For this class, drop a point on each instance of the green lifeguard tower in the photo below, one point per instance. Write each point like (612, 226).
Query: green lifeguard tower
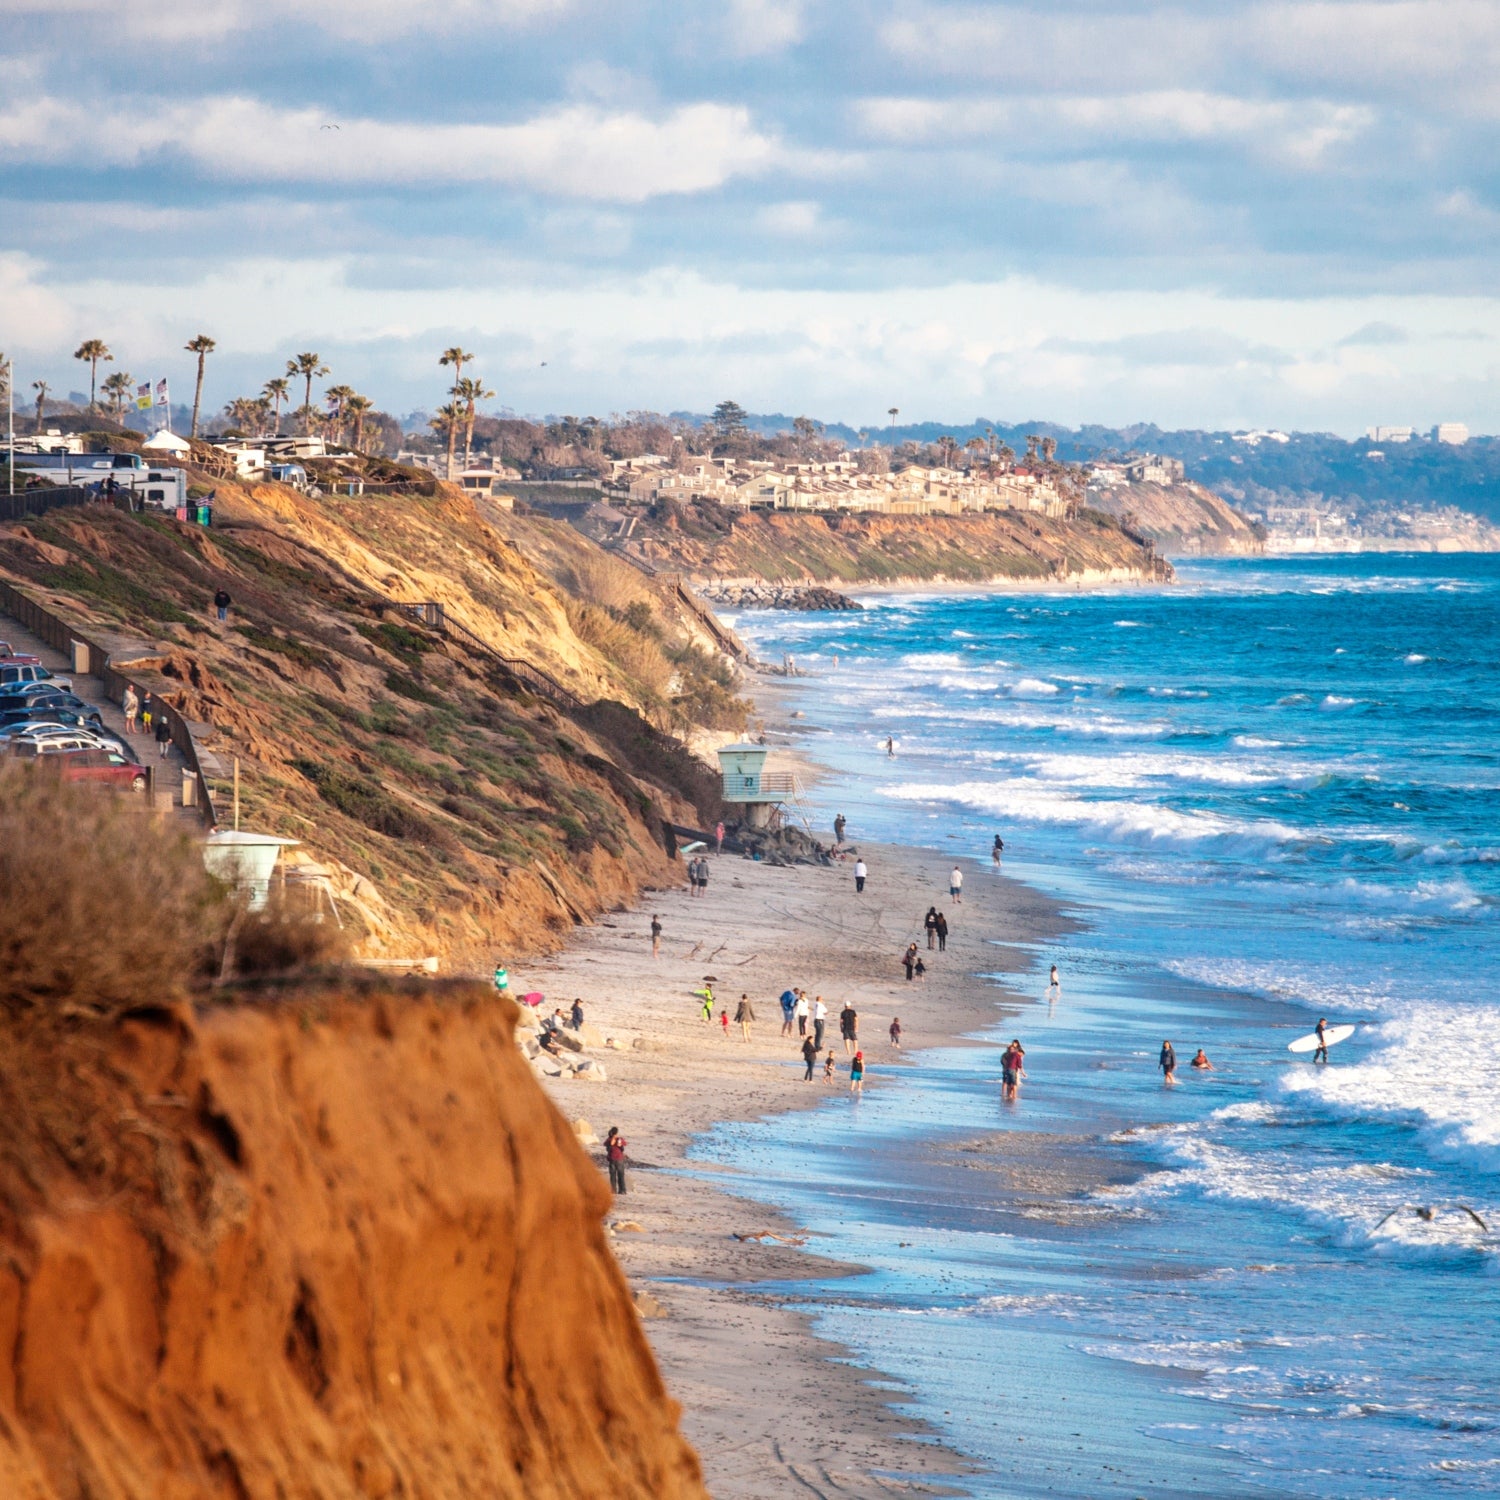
(748, 785)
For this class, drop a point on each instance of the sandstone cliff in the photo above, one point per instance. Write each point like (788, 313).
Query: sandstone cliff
(458, 813)
(316, 1247)
(1182, 519)
(706, 540)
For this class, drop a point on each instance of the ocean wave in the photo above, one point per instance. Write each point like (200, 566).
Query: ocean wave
(1131, 625)
(1145, 822)
(1029, 687)
(1413, 658)
(1332, 701)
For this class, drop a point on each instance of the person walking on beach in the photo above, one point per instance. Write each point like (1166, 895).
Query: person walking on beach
(575, 1016)
(744, 1013)
(222, 601)
(920, 970)
(1012, 1070)
(857, 1074)
(788, 1009)
(942, 932)
(809, 1056)
(718, 838)
(800, 1010)
(162, 729)
(703, 876)
(614, 1154)
(849, 1026)
(655, 935)
(909, 959)
(1167, 1062)
(1321, 1055)
(859, 876)
(929, 922)
(830, 1067)
(724, 1023)
(839, 825)
(708, 1005)
(131, 703)
(997, 850)
(956, 885)
(896, 1032)
(820, 1020)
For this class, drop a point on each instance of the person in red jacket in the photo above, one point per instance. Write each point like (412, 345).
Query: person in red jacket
(614, 1154)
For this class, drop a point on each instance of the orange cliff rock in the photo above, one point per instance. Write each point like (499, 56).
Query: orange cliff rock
(320, 1245)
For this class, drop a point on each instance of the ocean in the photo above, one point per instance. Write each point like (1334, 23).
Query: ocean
(1269, 792)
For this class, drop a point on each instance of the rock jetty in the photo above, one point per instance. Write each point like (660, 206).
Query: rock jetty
(812, 596)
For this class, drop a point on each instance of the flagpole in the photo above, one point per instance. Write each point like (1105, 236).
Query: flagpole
(10, 421)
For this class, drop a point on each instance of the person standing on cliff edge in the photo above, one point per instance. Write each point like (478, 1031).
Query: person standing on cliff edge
(614, 1153)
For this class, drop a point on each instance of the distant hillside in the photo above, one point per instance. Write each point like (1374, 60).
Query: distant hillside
(1182, 519)
(708, 541)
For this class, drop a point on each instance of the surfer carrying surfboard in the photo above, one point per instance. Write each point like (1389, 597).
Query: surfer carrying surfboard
(1321, 1055)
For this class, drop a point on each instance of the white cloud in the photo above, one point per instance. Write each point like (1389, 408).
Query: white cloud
(169, 23)
(762, 26)
(793, 220)
(672, 339)
(1301, 131)
(579, 151)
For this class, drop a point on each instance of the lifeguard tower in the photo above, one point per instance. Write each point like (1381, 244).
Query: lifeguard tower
(748, 785)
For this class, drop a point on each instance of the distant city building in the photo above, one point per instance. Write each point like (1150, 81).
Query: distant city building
(1451, 432)
(1390, 434)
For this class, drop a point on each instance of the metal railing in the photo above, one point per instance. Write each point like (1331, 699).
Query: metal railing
(38, 502)
(61, 636)
(767, 786)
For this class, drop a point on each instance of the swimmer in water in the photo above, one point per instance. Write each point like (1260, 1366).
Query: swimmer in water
(1201, 1061)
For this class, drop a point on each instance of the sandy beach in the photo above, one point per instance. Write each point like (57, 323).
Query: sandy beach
(770, 1407)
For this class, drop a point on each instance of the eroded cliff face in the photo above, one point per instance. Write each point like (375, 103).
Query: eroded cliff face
(855, 548)
(321, 1245)
(1182, 519)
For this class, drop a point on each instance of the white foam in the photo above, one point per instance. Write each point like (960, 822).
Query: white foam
(1130, 625)
(1413, 658)
(1030, 687)
(1335, 701)
(1138, 822)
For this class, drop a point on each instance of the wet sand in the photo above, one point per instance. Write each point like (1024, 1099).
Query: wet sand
(773, 1409)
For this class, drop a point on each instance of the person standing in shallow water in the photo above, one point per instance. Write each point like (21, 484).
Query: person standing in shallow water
(614, 1154)
(1167, 1062)
(1321, 1055)
(857, 1074)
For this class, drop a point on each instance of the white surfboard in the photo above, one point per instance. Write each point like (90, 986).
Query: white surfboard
(1310, 1043)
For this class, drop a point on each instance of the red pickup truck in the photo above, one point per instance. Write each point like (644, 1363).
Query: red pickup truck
(18, 658)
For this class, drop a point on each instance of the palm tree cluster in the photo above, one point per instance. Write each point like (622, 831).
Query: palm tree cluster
(343, 420)
(462, 409)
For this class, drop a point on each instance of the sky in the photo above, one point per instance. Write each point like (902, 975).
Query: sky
(1220, 214)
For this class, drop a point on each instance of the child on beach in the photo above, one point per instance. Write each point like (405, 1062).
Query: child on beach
(896, 1032)
(724, 1022)
(857, 1074)
(830, 1067)
(920, 969)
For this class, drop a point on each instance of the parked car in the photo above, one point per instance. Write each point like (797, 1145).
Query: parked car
(76, 761)
(14, 675)
(104, 766)
(11, 657)
(13, 720)
(42, 695)
(71, 735)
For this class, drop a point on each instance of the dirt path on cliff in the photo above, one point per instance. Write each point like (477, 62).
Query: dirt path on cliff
(772, 1409)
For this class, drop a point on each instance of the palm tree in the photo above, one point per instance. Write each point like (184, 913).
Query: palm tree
(41, 388)
(1031, 441)
(337, 396)
(92, 351)
(458, 357)
(202, 346)
(306, 367)
(470, 392)
(244, 412)
(1049, 447)
(447, 420)
(117, 387)
(356, 406)
(893, 412)
(276, 391)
